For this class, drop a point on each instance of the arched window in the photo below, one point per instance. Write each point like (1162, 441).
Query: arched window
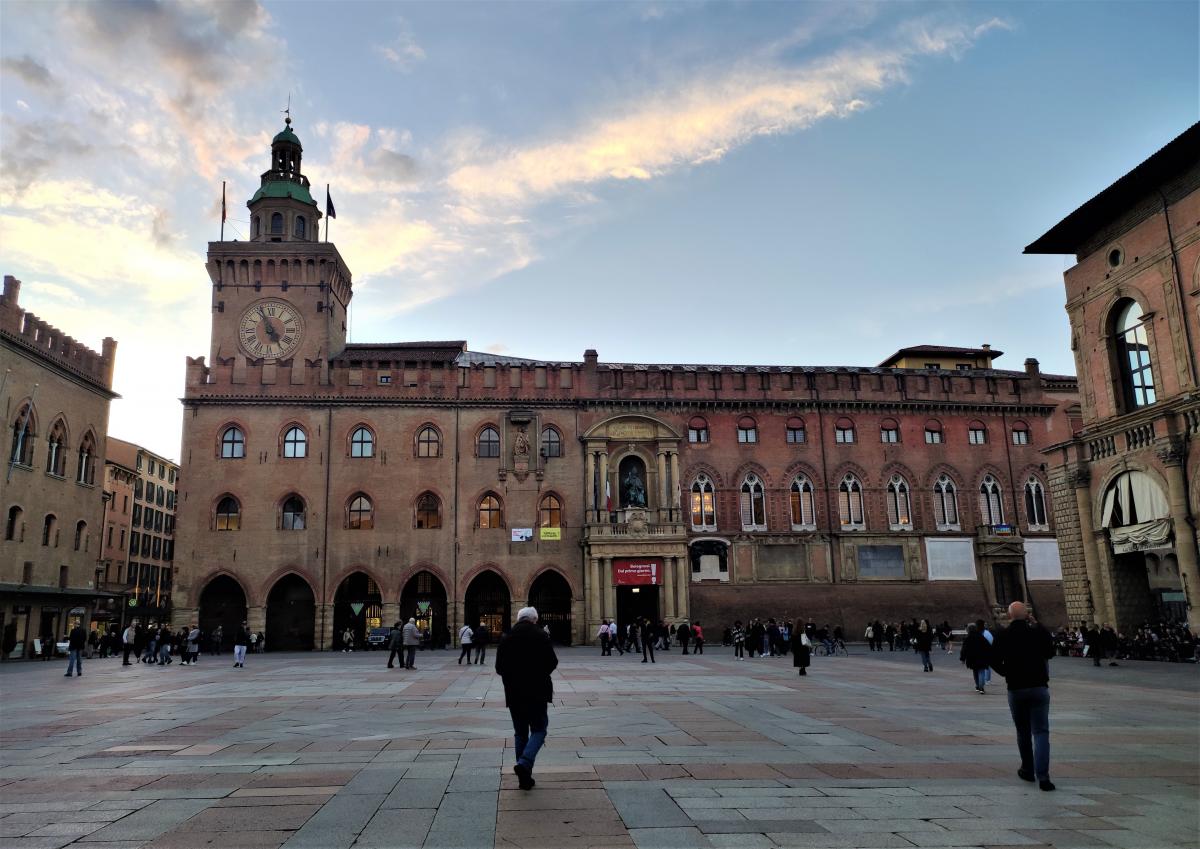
(489, 512)
(551, 442)
(229, 514)
(933, 432)
(1133, 357)
(747, 430)
(361, 514)
(293, 513)
(22, 439)
(796, 433)
(753, 504)
(362, 443)
(945, 504)
(889, 431)
(801, 497)
(295, 443)
(843, 431)
(233, 443)
(56, 450)
(80, 535)
(429, 442)
(87, 460)
(12, 528)
(991, 508)
(550, 512)
(704, 504)
(1020, 433)
(300, 230)
(48, 526)
(429, 511)
(850, 503)
(257, 226)
(487, 444)
(977, 433)
(698, 430)
(276, 224)
(1035, 505)
(899, 506)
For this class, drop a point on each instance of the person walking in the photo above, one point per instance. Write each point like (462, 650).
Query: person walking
(411, 635)
(193, 646)
(975, 655)
(240, 644)
(1021, 654)
(480, 640)
(604, 635)
(739, 641)
(684, 634)
(924, 645)
(464, 639)
(698, 638)
(525, 660)
(801, 650)
(647, 629)
(76, 646)
(164, 646)
(127, 642)
(395, 644)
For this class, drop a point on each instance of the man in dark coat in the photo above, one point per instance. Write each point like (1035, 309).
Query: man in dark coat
(76, 643)
(684, 634)
(524, 660)
(801, 649)
(975, 654)
(1021, 654)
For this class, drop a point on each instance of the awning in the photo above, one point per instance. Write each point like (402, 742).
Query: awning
(1145, 536)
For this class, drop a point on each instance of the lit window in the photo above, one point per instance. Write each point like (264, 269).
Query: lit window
(550, 512)
(551, 443)
(233, 444)
(429, 511)
(362, 443)
(489, 512)
(697, 430)
(361, 514)
(704, 510)
(945, 504)
(229, 514)
(803, 514)
(850, 503)
(1133, 355)
(429, 443)
(295, 443)
(898, 504)
(753, 504)
(293, 513)
(488, 443)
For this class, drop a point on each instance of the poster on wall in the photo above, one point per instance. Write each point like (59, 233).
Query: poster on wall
(550, 533)
(631, 572)
(522, 534)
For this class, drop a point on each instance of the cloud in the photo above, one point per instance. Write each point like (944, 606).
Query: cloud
(402, 52)
(35, 147)
(30, 71)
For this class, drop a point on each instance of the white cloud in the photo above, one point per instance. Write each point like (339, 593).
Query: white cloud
(403, 52)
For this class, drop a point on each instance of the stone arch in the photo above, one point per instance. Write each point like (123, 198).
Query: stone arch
(356, 607)
(336, 581)
(848, 468)
(937, 470)
(55, 419)
(689, 475)
(290, 606)
(551, 567)
(658, 428)
(1111, 476)
(222, 602)
(422, 566)
(751, 467)
(552, 594)
(488, 599)
(426, 604)
(1109, 311)
(466, 578)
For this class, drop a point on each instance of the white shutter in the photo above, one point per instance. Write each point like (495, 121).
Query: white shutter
(747, 509)
(939, 506)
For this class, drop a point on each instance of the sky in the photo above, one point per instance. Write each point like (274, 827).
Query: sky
(761, 183)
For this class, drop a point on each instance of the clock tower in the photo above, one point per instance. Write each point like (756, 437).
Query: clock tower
(281, 297)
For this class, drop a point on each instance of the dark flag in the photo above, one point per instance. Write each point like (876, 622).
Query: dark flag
(329, 210)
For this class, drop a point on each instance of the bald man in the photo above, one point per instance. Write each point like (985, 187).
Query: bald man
(1021, 654)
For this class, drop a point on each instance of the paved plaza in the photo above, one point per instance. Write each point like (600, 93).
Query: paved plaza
(336, 750)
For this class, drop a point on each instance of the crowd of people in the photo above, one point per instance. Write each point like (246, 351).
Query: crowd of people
(1162, 641)
(156, 644)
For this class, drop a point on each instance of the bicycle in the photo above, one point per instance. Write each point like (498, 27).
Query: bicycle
(832, 648)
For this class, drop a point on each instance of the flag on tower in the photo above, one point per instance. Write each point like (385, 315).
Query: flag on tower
(329, 210)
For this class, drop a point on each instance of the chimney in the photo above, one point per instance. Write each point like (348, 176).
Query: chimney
(108, 357)
(12, 289)
(590, 358)
(1032, 367)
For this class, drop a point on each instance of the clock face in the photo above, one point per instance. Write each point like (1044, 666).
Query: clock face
(270, 329)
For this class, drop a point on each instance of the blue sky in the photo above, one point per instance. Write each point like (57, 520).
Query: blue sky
(792, 183)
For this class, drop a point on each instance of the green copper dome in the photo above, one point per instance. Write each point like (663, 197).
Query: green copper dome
(287, 136)
(284, 189)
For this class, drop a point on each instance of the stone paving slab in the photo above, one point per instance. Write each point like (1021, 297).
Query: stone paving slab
(336, 752)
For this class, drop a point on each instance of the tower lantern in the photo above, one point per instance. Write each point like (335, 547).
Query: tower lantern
(283, 209)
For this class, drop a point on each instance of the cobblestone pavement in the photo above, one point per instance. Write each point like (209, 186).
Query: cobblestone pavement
(331, 751)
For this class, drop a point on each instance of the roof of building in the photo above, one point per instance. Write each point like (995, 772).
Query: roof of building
(943, 350)
(1173, 158)
(284, 189)
(286, 135)
(433, 352)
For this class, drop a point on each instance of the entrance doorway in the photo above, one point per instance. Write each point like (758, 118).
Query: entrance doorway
(1007, 580)
(424, 599)
(637, 603)
(357, 606)
(222, 603)
(488, 601)
(551, 595)
(291, 613)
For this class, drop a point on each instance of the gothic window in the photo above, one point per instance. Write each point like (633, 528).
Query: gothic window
(489, 512)
(843, 431)
(295, 443)
(850, 503)
(1020, 434)
(551, 442)
(991, 509)
(276, 224)
(229, 514)
(704, 505)
(22, 440)
(362, 442)
(933, 432)
(300, 229)
(56, 450)
(80, 535)
(977, 433)
(889, 431)
(753, 504)
(747, 430)
(488, 442)
(1035, 505)
(1133, 356)
(87, 460)
(429, 442)
(550, 512)
(233, 443)
(796, 433)
(257, 226)
(12, 528)
(361, 513)
(899, 506)
(801, 497)
(945, 504)
(48, 525)
(293, 513)
(698, 430)
(429, 511)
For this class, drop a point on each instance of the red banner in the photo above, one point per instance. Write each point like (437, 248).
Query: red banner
(630, 572)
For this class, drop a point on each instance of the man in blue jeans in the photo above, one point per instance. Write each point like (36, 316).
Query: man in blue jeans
(1021, 653)
(76, 643)
(524, 660)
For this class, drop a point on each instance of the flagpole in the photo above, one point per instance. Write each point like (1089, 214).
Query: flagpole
(222, 210)
(327, 212)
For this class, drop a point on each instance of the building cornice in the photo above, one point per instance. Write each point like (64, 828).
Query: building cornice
(74, 375)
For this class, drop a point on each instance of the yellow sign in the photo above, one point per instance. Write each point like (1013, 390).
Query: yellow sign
(551, 533)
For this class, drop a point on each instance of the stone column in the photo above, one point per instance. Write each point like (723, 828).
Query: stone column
(590, 488)
(668, 590)
(256, 620)
(610, 591)
(673, 483)
(181, 617)
(595, 606)
(603, 484)
(663, 516)
(391, 613)
(324, 630)
(682, 579)
(1081, 480)
(1171, 455)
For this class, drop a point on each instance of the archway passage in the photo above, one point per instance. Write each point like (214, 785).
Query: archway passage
(223, 604)
(291, 614)
(551, 595)
(488, 601)
(357, 606)
(424, 599)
